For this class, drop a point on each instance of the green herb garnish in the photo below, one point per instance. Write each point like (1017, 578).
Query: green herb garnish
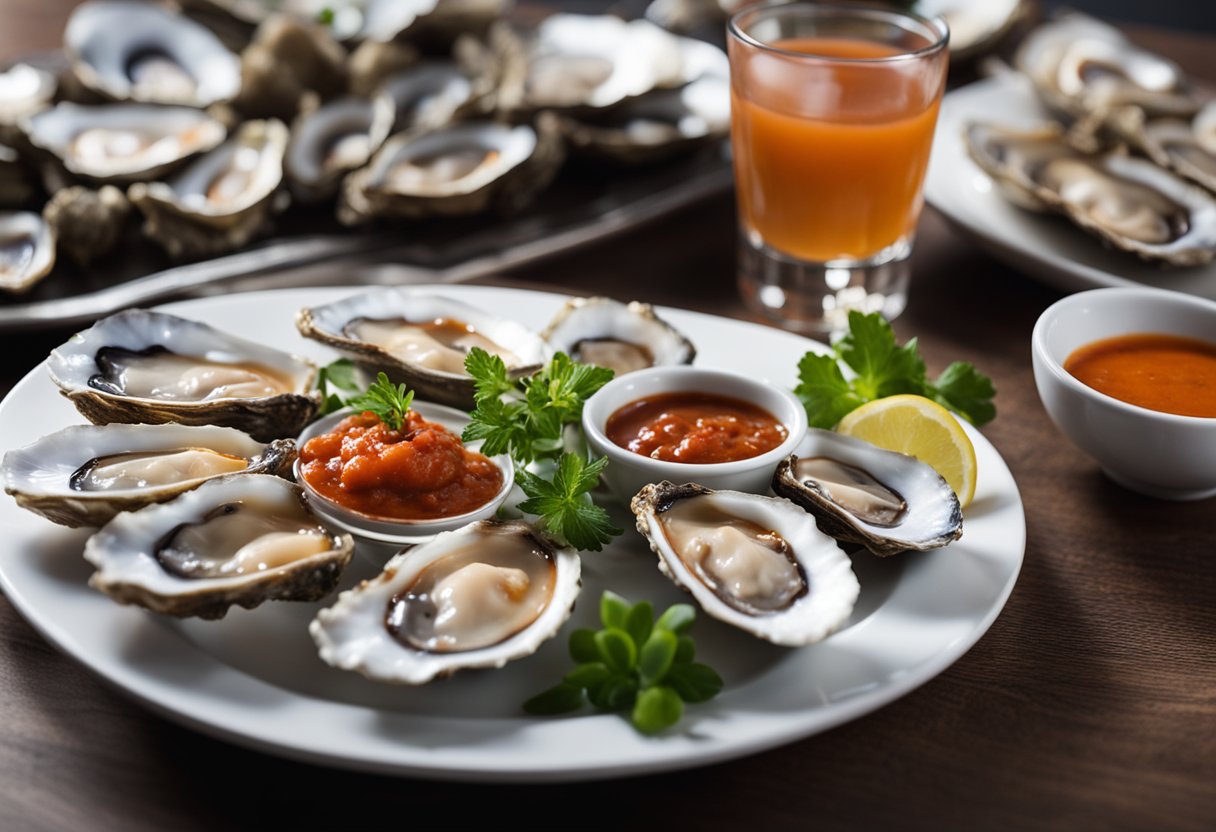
(338, 375)
(388, 403)
(527, 418)
(884, 369)
(326, 16)
(634, 663)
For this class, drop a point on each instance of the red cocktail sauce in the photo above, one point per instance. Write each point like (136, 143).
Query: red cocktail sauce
(694, 427)
(1168, 373)
(421, 472)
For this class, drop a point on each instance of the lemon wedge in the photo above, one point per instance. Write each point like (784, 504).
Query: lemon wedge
(921, 428)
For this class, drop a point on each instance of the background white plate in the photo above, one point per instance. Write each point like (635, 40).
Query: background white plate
(254, 677)
(1045, 246)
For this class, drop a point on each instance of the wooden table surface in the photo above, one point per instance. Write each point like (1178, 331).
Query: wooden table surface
(1091, 703)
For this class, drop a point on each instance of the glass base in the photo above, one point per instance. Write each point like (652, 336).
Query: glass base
(814, 297)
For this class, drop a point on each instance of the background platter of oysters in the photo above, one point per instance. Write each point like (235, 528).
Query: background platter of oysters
(196, 127)
(1131, 154)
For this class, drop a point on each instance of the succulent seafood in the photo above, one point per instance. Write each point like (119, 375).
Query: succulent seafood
(622, 337)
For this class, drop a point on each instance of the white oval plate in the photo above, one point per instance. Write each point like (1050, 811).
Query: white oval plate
(254, 677)
(1048, 247)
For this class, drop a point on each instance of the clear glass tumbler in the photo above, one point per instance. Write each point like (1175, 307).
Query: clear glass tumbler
(832, 117)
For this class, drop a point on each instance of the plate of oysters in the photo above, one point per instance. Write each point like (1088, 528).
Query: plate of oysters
(1091, 163)
(237, 136)
(184, 523)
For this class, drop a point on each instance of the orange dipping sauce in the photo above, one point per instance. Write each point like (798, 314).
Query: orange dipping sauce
(1168, 373)
(694, 427)
(421, 472)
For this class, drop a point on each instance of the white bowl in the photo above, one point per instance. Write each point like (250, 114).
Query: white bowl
(1154, 453)
(402, 532)
(627, 472)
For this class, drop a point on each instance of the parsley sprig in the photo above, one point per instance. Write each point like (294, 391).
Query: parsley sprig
(389, 402)
(634, 664)
(527, 418)
(332, 380)
(885, 369)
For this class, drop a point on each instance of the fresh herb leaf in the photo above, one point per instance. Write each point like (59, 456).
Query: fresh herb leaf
(633, 664)
(339, 375)
(883, 368)
(326, 16)
(389, 403)
(489, 374)
(564, 504)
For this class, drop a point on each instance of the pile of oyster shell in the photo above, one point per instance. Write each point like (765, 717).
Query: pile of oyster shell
(212, 121)
(186, 469)
(1132, 158)
(187, 466)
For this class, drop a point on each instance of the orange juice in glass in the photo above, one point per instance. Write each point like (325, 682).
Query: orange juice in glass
(832, 117)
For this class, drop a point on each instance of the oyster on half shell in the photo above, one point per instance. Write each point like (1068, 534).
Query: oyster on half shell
(27, 250)
(151, 367)
(421, 340)
(756, 563)
(622, 337)
(240, 539)
(85, 474)
(480, 596)
(1131, 203)
(859, 493)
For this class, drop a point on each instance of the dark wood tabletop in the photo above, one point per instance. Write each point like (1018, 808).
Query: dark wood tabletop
(1091, 703)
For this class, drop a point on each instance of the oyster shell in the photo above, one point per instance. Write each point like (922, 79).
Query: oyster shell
(288, 60)
(240, 539)
(420, 340)
(86, 474)
(88, 224)
(1185, 147)
(480, 596)
(756, 563)
(1131, 203)
(622, 337)
(24, 90)
(328, 143)
(886, 501)
(455, 171)
(27, 250)
(1084, 67)
(221, 200)
(132, 51)
(122, 142)
(145, 366)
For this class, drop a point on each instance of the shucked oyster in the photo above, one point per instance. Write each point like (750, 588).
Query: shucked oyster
(622, 337)
(757, 563)
(86, 474)
(480, 596)
(328, 143)
(1187, 147)
(886, 501)
(420, 340)
(1131, 203)
(133, 51)
(122, 142)
(241, 539)
(455, 171)
(27, 250)
(220, 201)
(144, 366)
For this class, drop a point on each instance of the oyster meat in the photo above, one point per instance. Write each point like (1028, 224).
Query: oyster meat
(756, 563)
(329, 142)
(27, 250)
(122, 142)
(479, 596)
(221, 200)
(86, 474)
(1131, 203)
(151, 367)
(134, 51)
(622, 337)
(859, 493)
(240, 539)
(421, 340)
(1186, 147)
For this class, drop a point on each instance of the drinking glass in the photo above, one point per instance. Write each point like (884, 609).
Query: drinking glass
(832, 117)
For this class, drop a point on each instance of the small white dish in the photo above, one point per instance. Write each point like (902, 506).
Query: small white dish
(1159, 454)
(627, 471)
(401, 532)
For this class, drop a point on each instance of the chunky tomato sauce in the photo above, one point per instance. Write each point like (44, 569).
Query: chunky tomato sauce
(420, 472)
(695, 427)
